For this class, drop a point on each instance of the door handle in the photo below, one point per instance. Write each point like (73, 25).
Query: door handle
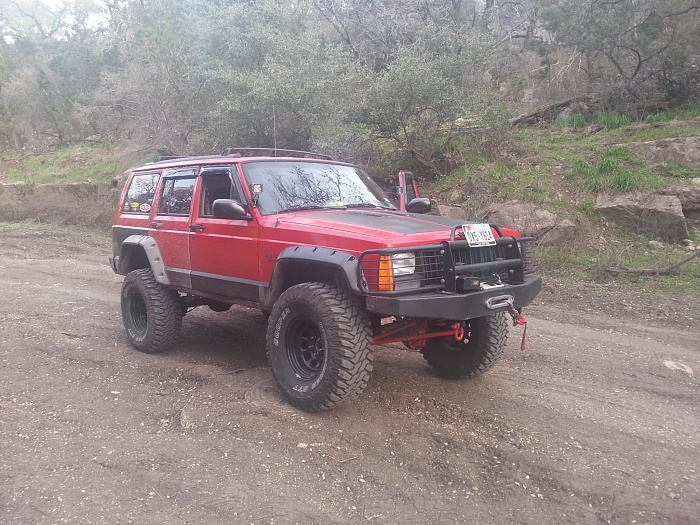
(155, 224)
(196, 227)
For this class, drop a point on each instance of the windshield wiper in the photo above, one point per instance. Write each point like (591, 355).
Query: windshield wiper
(369, 205)
(303, 207)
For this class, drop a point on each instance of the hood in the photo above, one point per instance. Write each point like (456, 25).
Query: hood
(388, 228)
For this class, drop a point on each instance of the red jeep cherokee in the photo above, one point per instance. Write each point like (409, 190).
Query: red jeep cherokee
(327, 254)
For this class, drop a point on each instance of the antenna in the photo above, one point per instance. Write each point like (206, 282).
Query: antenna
(274, 129)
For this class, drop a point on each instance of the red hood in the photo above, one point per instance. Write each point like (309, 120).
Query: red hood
(359, 230)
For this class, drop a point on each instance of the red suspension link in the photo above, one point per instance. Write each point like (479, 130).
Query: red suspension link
(416, 333)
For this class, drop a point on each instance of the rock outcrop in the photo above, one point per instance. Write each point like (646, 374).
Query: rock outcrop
(678, 150)
(653, 215)
(690, 200)
(529, 219)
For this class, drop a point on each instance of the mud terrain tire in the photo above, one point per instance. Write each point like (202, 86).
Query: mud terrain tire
(151, 312)
(484, 342)
(319, 346)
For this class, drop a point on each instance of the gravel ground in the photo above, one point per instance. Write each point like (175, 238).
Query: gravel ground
(596, 422)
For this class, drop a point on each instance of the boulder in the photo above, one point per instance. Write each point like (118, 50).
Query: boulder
(562, 231)
(531, 220)
(453, 212)
(653, 215)
(679, 150)
(689, 195)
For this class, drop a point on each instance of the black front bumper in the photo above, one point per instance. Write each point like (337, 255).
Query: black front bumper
(455, 306)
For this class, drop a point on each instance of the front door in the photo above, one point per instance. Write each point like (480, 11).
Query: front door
(224, 252)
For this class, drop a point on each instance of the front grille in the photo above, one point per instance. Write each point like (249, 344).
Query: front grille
(481, 254)
(432, 267)
(451, 266)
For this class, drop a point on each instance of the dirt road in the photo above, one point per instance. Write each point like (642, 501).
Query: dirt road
(598, 421)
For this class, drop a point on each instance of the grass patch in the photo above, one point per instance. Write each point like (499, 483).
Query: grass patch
(677, 171)
(619, 170)
(646, 134)
(585, 264)
(74, 164)
(682, 113)
(607, 120)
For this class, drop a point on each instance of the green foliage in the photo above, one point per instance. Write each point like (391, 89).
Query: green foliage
(388, 84)
(610, 120)
(74, 164)
(680, 113)
(618, 170)
(677, 171)
(648, 46)
(577, 121)
(587, 205)
(607, 120)
(427, 105)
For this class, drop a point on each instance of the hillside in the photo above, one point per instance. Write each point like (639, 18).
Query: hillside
(558, 168)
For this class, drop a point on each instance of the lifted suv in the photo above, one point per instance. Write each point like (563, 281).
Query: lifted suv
(318, 246)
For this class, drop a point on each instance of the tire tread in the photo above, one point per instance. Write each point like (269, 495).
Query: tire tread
(486, 346)
(163, 310)
(350, 364)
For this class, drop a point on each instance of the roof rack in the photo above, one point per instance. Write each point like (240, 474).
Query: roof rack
(274, 152)
(163, 158)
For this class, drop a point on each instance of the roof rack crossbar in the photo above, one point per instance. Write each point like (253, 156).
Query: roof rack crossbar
(161, 158)
(275, 151)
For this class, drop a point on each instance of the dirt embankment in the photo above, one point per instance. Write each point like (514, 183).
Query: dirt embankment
(596, 422)
(77, 203)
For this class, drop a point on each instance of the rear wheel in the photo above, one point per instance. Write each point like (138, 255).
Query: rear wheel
(151, 312)
(319, 346)
(484, 342)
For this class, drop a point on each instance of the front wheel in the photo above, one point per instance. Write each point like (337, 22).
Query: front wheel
(151, 312)
(319, 346)
(484, 342)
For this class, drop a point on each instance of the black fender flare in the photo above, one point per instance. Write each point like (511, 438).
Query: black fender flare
(150, 248)
(345, 262)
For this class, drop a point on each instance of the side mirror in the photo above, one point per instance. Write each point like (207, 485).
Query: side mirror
(229, 209)
(419, 205)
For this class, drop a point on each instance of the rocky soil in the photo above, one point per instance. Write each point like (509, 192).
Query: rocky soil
(596, 422)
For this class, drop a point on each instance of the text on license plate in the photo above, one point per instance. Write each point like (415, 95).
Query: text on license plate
(478, 235)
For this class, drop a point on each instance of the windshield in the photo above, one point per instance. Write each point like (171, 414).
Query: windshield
(299, 185)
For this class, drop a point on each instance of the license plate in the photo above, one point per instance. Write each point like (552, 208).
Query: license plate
(478, 235)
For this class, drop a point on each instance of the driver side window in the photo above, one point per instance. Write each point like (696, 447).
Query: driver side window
(216, 184)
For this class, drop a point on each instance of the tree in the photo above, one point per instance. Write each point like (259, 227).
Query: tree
(51, 68)
(627, 44)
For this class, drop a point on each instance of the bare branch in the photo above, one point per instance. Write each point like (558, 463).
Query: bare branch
(656, 271)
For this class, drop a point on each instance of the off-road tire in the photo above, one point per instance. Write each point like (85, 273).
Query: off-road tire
(319, 346)
(484, 342)
(152, 313)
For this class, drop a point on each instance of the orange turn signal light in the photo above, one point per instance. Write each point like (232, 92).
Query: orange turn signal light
(386, 274)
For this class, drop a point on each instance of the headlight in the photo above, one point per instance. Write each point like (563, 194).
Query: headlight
(403, 263)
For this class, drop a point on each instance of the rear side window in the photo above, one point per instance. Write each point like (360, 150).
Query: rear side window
(139, 198)
(177, 196)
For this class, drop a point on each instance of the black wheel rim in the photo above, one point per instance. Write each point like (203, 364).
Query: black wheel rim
(306, 349)
(137, 312)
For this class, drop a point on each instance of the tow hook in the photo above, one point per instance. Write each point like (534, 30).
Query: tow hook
(518, 320)
(459, 331)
